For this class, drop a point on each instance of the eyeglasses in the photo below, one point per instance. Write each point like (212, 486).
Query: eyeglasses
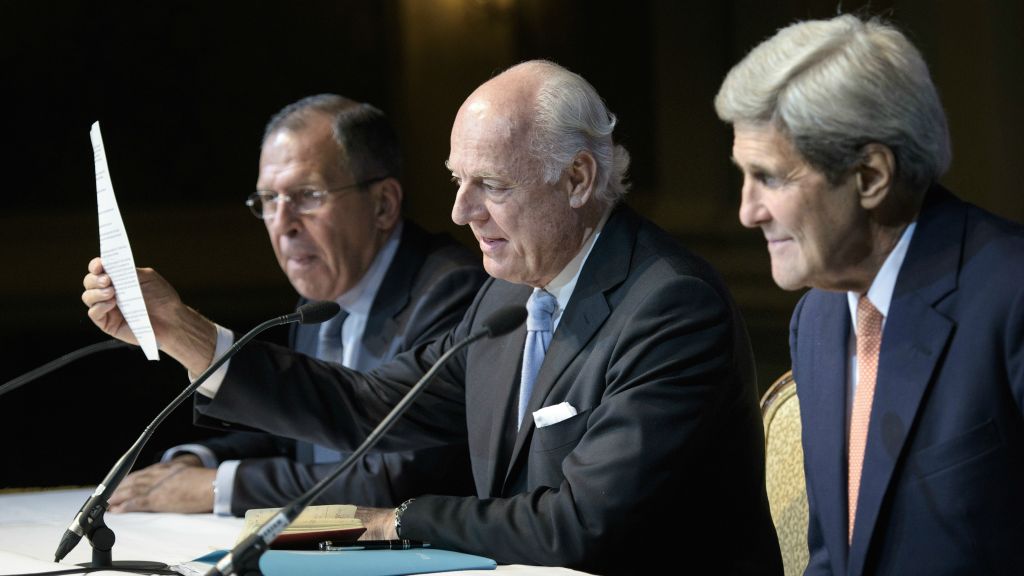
(263, 203)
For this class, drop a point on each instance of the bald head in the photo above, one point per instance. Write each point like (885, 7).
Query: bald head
(531, 150)
(498, 118)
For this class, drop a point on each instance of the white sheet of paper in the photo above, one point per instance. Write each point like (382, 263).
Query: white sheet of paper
(116, 253)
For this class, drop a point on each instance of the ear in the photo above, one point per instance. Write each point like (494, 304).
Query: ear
(387, 203)
(875, 175)
(582, 179)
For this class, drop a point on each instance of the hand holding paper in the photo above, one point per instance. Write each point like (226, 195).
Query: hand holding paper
(116, 253)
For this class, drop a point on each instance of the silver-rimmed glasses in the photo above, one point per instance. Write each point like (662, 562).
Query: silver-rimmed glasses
(263, 203)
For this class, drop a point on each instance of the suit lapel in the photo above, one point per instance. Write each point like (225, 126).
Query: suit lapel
(606, 267)
(913, 342)
(392, 297)
(823, 409)
(493, 404)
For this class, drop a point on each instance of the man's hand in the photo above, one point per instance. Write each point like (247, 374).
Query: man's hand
(181, 485)
(379, 523)
(181, 332)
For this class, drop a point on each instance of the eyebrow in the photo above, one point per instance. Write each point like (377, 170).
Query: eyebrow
(754, 167)
(478, 176)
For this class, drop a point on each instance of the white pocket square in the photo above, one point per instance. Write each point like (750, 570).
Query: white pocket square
(553, 414)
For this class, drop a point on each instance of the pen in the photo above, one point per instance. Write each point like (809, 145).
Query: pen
(328, 546)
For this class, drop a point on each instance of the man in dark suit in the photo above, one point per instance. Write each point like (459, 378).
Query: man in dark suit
(330, 196)
(640, 414)
(626, 404)
(908, 352)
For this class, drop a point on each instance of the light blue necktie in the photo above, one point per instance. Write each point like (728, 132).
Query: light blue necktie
(329, 349)
(539, 309)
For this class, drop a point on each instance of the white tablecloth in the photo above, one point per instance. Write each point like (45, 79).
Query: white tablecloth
(32, 523)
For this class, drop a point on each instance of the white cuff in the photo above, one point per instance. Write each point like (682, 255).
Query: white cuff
(225, 338)
(223, 486)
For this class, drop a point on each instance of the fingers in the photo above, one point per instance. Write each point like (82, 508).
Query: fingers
(140, 503)
(98, 295)
(97, 284)
(97, 277)
(133, 495)
(105, 315)
(135, 485)
(186, 489)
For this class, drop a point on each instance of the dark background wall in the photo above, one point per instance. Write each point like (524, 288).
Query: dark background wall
(182, 90)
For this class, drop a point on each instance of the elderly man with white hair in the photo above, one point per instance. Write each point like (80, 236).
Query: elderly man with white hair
(908, 352)
(618, 431)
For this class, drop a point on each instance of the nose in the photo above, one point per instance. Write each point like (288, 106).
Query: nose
(285, 220)
(753, 212)
(467, 206)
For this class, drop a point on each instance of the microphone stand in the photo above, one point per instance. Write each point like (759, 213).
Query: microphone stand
(244, 558)
(89, 521)
(59, 362)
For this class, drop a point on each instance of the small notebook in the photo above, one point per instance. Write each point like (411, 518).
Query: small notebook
(334, 522)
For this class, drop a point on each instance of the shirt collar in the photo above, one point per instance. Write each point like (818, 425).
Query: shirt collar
(359, 298)
(884, 284)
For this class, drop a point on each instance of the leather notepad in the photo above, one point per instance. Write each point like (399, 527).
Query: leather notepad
(334, 522)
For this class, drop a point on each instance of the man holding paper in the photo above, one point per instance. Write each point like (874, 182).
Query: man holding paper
(330, 196)
(628, 396)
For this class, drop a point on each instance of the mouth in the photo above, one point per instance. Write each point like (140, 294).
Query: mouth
(774, 243)
(300, 260)
(490, 244)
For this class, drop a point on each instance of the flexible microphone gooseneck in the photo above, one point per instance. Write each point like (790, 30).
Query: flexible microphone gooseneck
(60, 362)
(89, 520)
(245, 557)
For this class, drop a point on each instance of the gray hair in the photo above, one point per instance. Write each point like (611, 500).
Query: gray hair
(834, 86)
(571, 117)
(367, 139)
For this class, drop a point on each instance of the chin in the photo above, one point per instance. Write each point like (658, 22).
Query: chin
(788, 282)
(495, 270)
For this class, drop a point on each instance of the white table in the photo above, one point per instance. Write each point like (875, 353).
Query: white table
(32, 523)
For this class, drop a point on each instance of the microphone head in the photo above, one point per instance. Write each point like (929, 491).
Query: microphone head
(504, 320)
(317, 312)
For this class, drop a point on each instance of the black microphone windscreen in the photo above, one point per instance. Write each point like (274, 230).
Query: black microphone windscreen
(505, 320)
(317, 312)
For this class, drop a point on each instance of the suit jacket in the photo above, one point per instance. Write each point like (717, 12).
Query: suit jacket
(941, 489)
(654, 356)
(429, 284)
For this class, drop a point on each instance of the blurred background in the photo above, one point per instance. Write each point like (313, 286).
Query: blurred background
(182, 90)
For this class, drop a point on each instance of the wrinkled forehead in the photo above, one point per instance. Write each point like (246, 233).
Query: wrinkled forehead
(299, 157)
(485, 134)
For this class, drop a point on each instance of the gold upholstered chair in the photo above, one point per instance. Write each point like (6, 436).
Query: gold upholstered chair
(784, 471)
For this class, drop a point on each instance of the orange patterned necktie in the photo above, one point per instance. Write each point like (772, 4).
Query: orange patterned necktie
(869, 342)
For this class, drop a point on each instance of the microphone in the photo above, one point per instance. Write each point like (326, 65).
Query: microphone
(245, 557)
(314, 312)
(89, 520)
(61, 362)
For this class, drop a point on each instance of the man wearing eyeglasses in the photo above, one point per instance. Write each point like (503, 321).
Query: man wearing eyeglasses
(329, 194)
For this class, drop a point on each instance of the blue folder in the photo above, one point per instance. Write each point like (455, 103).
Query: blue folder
(362, 562)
